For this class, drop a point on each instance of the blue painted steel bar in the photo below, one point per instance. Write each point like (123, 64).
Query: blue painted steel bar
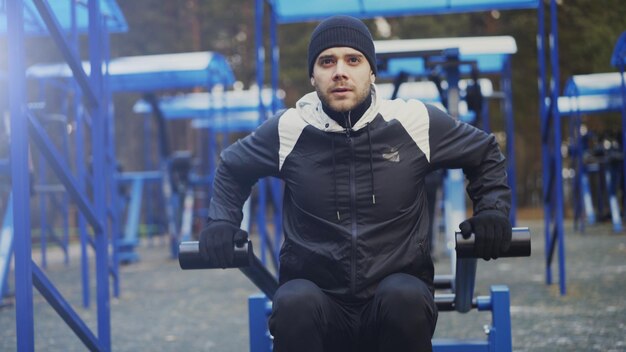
(260, 340)
(587, 200)
(500, 334)
(275, 61)
(290, 11)
(66, 49)
(64, 309)
(6, 246)
(618, 60)
(79, 143)
(510, 136)
(558, 190)
(451, 345)
(454, 187)
(622, 63)
(275, 185)
(611, 186)
(98, 129)
(260, 80)
(131, 232)
(43, 218)
(81, 175)
(114, 205)
(61, 169)
(21, 178)
(544, 121)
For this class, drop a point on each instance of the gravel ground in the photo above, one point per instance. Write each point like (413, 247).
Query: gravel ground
(162, 308)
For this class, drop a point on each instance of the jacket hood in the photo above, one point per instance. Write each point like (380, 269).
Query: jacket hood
(309, 108)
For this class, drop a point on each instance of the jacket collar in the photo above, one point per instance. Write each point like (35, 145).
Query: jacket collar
(310, 109)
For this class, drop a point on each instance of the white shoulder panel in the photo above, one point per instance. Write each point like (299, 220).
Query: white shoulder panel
(290, 127)
(413, 116)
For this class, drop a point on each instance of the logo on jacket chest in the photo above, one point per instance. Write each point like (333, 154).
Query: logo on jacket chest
(391, 154)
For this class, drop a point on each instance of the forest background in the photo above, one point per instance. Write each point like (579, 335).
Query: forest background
(588, 30)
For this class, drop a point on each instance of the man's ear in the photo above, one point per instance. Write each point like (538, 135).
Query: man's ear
(313, 81)
(372, 77)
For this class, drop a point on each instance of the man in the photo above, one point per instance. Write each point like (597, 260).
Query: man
(355, 267)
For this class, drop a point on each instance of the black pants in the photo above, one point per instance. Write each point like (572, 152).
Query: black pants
(401, 317)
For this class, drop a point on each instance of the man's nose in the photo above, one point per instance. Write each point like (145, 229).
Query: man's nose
(340, 71)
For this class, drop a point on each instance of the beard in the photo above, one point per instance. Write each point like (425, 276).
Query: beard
(343, 105)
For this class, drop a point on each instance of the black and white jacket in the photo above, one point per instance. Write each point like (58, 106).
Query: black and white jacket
(354, 207)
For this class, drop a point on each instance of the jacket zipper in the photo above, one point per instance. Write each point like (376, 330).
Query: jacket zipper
(352, 207)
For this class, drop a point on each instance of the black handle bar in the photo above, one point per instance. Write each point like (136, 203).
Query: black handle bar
(189, 258)
(520, 244)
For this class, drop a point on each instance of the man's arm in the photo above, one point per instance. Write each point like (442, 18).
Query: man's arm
(241, 165)
(454, 145)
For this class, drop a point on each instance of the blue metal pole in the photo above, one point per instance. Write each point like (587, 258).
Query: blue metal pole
(79, 138)
(454, 188)
(275, 59)
(260, 49)
(545, 135)
(260, 340)
(20, 176)
(558, 167)
(98, 133)
(43, 219)
(81, 175)
(275, 184)
(623, 90)
(510, 137)
(260, 78)
(115, 206)
(500, 307)
(65, 241)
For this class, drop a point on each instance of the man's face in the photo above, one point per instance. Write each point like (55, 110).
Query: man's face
(342, 77)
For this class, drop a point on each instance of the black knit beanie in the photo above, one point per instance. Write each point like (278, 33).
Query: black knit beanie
(339, 31)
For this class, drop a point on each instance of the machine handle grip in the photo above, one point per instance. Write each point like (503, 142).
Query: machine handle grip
(189, 256)
(520, 244)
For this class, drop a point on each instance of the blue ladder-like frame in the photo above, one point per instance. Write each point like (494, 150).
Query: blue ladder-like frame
(23, 124)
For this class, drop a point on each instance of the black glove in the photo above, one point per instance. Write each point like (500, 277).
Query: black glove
(492, 231)
(217, 242)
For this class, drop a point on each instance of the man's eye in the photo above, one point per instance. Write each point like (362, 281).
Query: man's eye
(354, 60)
(326, 61)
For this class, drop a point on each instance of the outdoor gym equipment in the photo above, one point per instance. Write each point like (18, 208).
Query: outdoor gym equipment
(453, 293)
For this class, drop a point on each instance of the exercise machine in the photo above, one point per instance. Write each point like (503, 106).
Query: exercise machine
(453, 293)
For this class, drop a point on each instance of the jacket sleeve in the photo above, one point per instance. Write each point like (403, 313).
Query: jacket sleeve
(241, 165)
(455, 144)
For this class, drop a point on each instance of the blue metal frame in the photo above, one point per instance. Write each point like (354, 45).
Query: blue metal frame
(21, 122)
(499, 337)
(20, 177)
(594, 93)
(35, 25)
(290, 11)
(551, 146)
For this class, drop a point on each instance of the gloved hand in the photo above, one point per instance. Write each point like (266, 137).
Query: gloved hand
(217, 241)
(492, 231)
